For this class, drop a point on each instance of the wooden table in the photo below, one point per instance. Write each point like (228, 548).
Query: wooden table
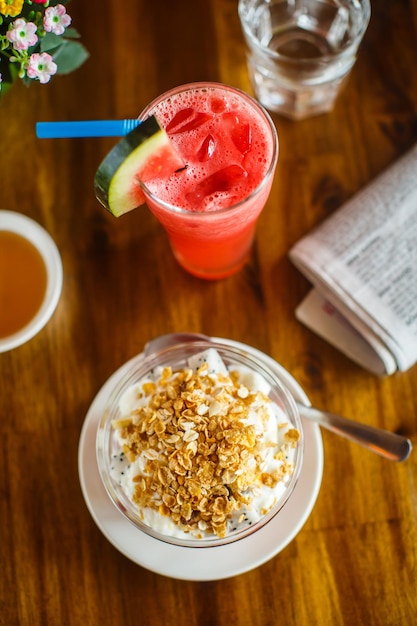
(355, 560)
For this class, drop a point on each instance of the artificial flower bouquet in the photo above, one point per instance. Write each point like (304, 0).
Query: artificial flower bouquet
(36, 41)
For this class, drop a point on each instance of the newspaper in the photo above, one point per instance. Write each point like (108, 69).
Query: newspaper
(362, 263)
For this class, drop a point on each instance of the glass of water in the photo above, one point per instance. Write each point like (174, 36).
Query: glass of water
(301, 51)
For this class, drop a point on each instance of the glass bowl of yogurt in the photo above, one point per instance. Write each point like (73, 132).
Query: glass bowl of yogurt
(200, 443)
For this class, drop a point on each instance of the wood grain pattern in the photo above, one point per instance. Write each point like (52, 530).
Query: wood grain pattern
(355, 560)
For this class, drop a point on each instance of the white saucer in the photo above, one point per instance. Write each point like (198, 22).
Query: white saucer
(38, 237)
(199, 564)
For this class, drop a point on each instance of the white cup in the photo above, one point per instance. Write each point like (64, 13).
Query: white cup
(42, 241)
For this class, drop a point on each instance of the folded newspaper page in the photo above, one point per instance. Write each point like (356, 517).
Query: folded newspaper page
(362, 262)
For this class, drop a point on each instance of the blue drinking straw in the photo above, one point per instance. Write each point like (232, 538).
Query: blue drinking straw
(94, 128)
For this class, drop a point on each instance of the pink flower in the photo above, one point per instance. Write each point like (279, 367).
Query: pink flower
(56, 19)
(22, 34)
(41, 66)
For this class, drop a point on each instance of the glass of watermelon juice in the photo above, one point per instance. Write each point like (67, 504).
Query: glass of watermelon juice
(209, 208)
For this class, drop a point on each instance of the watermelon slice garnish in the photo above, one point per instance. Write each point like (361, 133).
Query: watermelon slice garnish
(144, 154)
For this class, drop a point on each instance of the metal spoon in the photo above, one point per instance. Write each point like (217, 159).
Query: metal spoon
(387, 444)
(383, 442)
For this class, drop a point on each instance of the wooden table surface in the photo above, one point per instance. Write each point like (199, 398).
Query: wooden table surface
(355, 560)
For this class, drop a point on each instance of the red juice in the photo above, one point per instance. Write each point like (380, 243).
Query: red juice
(229, 146)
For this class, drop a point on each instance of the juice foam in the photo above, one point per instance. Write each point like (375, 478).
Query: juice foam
(226, 146)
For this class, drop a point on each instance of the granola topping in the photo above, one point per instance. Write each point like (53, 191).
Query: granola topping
(203, 450)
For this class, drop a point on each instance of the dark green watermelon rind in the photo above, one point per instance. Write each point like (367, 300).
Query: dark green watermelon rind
(148, 130)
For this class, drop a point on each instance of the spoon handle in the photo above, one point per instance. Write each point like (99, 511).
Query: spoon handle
(387, 444)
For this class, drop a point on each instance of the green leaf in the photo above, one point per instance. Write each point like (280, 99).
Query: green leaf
(50, 42)
(71, 33)
(4, 87)
(69, 56)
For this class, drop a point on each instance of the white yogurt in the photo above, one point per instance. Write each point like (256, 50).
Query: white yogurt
(273, 454)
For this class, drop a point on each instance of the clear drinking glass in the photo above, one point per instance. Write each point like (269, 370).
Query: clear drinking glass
(301, 51)
(230, 147)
